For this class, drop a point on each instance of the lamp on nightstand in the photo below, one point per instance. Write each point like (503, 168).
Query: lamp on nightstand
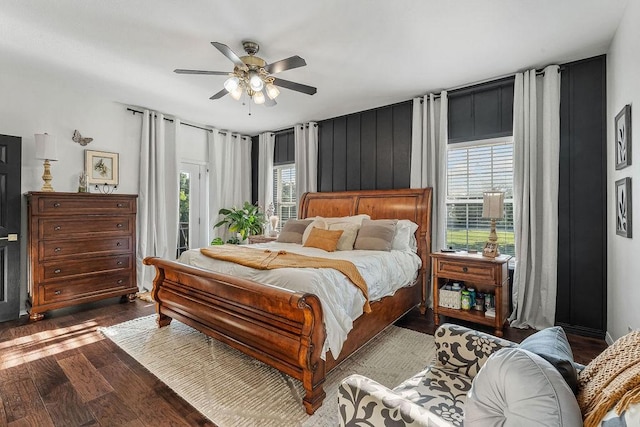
(46, 150)
(492, 208)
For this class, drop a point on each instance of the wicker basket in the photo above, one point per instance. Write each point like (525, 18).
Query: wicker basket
(449, 299)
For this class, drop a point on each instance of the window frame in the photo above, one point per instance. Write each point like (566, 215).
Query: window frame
(278, 204)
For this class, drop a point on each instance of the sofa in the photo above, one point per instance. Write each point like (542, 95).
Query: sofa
(528, 384)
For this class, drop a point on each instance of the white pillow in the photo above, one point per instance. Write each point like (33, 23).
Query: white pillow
(405, 237)
(323, 223)
(349, 235)
(317, 223)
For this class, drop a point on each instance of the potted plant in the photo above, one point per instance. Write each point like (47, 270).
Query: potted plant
(244, 221)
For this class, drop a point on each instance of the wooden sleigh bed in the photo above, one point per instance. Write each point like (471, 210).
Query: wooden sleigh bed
(283, 328)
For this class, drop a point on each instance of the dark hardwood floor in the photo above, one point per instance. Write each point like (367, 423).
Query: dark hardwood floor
(61, 371)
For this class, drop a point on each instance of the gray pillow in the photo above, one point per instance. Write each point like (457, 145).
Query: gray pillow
(553, 346)
(519, 388)
(293, 230)
(376, 235)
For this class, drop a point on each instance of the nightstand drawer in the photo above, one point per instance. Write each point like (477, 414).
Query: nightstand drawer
(51, 228)
(53, 249)
(71, 289)
(55, 270)
(465, 270)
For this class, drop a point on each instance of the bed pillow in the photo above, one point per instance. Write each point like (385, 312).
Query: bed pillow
(348, 238)
(323, 223)
(293, 230)
(376, 235)
(552, 345)
(323, 239)
(315, 223)
(516, 387)
(405, 237)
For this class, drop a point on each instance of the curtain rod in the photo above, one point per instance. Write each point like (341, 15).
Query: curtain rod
(183, 123)
(289, 130)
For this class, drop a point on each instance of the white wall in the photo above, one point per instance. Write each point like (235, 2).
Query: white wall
(623, 87)
(32, 102)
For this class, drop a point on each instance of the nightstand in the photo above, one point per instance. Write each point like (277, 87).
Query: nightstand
(259, 238)
(473, 270)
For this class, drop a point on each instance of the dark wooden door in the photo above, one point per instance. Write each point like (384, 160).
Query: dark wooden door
(10, 207)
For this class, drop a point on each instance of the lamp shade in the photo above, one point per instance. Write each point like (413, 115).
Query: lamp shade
(46, 147)
(493, 204)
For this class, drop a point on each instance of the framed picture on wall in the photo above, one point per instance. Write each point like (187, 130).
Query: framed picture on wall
(623, 207)
(622, 128)
(101, 167)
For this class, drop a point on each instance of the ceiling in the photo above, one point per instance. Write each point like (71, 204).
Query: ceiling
(360, 54)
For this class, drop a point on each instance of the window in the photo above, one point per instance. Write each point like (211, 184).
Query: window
(285, 201)
(473, 168)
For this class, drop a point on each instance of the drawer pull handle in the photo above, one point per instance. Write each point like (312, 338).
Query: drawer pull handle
(57, 249)
(118, 244)
(56, 205)
(57, 270)
(119, 263)
(57, 292)
(120, 205)
(57, 228)
(465, 269)
(119, 225)
(120, 282)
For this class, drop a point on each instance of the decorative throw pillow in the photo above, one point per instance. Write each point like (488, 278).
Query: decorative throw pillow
(376, 235)
(519, 388)
(323, 239)
(348, 238)
(318, 222)
(293, 230)
(323, 223)
(552, 345)
(405, 237)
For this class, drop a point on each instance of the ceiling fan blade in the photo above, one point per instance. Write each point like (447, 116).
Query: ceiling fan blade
(299, 87)
(211, 73)
(220, 94)
(285, 64)
(268, 102)
(226, 51)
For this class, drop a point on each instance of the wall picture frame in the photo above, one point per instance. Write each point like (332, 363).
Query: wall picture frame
(622, 127)
(623, 207)
(101, 167)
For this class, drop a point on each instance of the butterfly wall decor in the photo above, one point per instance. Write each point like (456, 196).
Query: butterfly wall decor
(79, 139)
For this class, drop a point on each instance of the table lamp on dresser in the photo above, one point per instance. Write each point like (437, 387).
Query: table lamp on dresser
(46, 150)
(493, 209)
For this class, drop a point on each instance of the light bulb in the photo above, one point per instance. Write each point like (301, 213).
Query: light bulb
(236, 93)
(258, 98)
(256, 82)
(272, 91)
(231, 84)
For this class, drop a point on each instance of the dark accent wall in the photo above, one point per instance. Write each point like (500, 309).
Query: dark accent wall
(366, 150)
(582, 245)
(481, 112)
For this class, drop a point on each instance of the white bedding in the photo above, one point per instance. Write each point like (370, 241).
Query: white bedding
(342, 302)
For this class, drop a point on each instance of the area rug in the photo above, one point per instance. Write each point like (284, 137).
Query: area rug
(232, 389)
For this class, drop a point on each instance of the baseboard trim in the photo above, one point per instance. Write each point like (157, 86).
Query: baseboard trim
(582, 331)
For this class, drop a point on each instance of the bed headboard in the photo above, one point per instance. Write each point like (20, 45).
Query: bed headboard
(409, 203)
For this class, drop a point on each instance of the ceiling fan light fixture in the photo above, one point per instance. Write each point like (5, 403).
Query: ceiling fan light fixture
(272, 91)
(236, 93)
(255, 81)
(258, 98)
(231, 84)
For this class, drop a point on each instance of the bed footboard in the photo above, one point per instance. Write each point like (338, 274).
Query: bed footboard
(281, 328)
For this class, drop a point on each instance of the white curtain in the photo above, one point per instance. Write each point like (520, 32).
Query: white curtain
(229, 175)
(266, 144)
(306, 155)
(158, 199)
(429, 137)
(536, 135)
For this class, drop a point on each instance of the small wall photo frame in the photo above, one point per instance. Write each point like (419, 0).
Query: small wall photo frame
(101, 167)
(623, 207)
(622, 126)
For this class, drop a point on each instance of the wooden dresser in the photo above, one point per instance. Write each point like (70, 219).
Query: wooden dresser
(81, 248)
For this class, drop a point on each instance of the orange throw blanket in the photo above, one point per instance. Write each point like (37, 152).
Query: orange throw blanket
(265, 259)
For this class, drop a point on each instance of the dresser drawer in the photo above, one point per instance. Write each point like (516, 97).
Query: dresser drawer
(84, 204)
(54, 249)
(466, 270)
(54, 270)
(52, 228)
(72, 289)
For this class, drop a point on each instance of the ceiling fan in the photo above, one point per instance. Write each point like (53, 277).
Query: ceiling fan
(253, 76)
